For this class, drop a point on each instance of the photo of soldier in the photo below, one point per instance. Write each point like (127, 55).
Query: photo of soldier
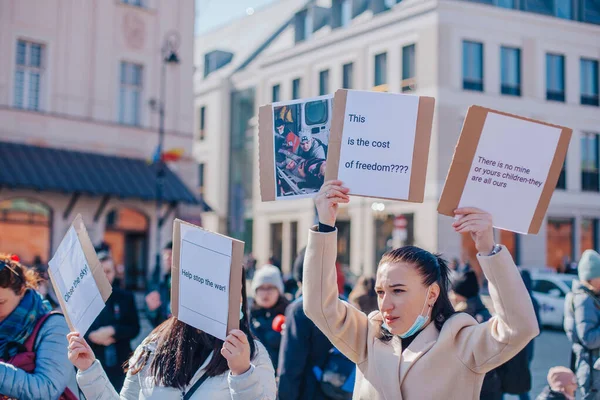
(301, 136)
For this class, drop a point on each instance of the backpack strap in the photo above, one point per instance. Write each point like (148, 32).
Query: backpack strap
(30, 342)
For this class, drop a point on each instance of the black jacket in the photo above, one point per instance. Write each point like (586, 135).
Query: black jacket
(549, 394)
(120, 313)
(261, 324)
(303, 346)
(491, 388)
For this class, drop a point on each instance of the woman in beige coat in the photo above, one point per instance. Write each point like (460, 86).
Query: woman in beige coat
(415, 347)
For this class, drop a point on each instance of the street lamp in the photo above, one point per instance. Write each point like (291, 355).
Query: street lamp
(168, 56)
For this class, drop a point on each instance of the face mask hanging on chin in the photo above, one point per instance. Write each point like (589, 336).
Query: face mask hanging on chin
(420, 321)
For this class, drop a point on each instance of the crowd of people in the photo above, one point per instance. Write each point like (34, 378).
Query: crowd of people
(417, 330)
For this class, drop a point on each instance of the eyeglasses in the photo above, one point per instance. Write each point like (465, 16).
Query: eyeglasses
(4, 264)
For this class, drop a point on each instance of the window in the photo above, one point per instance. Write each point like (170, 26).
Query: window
(559, 242)
(296, 88)
(563, 9)
(130, 93)
(589, 82)
(544, 286)
(510, 66)
(347, 78)
(505, 3)
(323, 82)
(562, 178)
(472, 66)
(346, 12)
(28, 75)
(408, 83)
(303, 23)
(380, 69)
(293, 241)
(589, 162)
(276, 95)
(202, 123)
(276, 242)
(201, 177)
(555, 77)
(589, 234)
(139, 3)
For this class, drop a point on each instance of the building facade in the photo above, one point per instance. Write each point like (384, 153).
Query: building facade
(536, 59)
(80, 95)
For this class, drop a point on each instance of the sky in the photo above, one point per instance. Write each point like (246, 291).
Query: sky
(213, 13)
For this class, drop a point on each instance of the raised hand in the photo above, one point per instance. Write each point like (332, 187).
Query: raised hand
(479, 224)
(236, 351)
(80, 354)
(327, 200)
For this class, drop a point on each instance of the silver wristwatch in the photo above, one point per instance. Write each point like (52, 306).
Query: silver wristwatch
(495, 250)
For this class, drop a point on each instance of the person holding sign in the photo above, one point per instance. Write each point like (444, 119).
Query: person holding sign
(179, 361)
(33, 360)
(416, 346)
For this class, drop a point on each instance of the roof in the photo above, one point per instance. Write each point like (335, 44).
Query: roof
(50, 169)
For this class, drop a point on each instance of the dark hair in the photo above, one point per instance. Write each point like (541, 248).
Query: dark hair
(279, 122)
(16, 276)
(181, 349)
(433, 269)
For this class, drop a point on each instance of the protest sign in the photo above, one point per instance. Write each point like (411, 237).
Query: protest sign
(78, 278)
(206, 278)
(506, 165)
(293, 138)
(379, 143)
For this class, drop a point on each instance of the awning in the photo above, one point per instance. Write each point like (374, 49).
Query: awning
(25, 166)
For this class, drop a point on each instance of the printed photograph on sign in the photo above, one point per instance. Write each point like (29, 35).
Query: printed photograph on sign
(301, 139)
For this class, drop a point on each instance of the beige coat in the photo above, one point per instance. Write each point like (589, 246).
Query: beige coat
(447, 364)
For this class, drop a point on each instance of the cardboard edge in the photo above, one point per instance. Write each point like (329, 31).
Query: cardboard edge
(551, 180)
(335, 134)
(89, 252)
(266, 156)
(61, 302)
(176, 256)
(464, 152)
(420, 159)
(235, 284)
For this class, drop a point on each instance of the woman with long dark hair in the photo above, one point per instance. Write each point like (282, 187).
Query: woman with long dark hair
(415, 346)
(178, 361)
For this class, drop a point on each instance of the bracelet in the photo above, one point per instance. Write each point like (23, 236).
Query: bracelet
(495, 250)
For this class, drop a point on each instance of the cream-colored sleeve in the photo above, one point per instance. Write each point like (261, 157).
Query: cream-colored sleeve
(484, 347)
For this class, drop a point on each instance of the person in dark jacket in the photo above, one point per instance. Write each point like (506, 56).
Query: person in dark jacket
(111, 333)
(269, 303)
(303, 346)
(562, 385)
(158, 301)
(465, 297)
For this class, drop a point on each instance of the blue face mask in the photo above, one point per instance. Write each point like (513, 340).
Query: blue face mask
(419, 322)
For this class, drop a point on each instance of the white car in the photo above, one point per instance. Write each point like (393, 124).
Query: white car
(550, 289)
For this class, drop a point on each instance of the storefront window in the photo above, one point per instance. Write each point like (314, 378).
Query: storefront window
(559, 246)
(589, 234)
(385, 240)
(343, 242)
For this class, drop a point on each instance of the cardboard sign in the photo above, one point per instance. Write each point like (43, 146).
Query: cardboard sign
(206, 275)
(379, 144)
(293, 140)
(78, 278)
(506, 165)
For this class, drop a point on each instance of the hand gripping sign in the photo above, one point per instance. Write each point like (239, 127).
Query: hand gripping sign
(78, 278)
